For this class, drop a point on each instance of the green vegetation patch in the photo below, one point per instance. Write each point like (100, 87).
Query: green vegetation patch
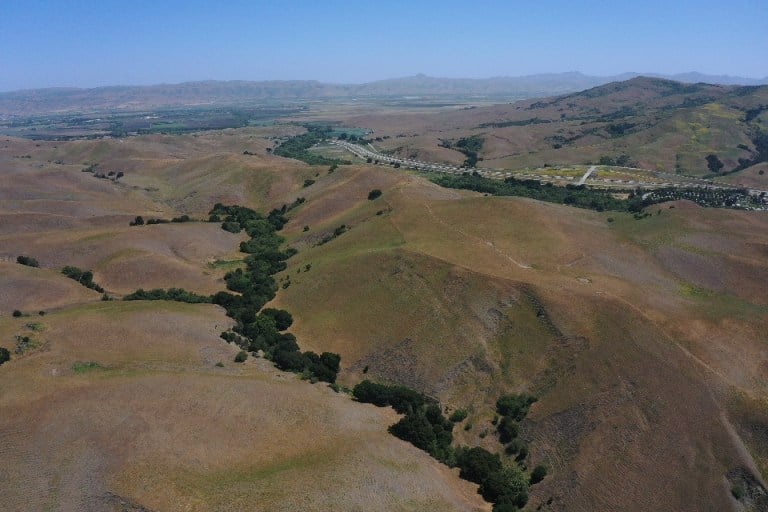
(600, 200)
(572, 195)
(469, 146)
(84, 277)
(225, 264)
(423, 425)
(25, 344)
(35, 326)
(173, 294)
(256, 328)
(81, 367)
(298, 147)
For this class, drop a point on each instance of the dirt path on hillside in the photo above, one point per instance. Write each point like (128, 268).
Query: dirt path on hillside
(477, 239)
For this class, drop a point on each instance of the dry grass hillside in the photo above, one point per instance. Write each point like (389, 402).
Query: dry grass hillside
(138, 405)
(656, 124)
(153, 424)
(643, 339)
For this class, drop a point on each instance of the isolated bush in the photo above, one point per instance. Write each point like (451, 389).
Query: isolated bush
(27, 260)
(5, 355)
(458, 415)
(713, 163)
(16, 313)
(373, 194)
(241, 356)
(538, 474)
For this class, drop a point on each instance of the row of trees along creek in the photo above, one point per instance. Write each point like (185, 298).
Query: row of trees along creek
(504, 482)
(257, 329)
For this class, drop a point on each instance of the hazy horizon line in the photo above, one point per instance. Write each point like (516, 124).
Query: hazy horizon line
(399, 77)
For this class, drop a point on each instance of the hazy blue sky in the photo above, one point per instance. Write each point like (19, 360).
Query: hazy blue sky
(92, 43)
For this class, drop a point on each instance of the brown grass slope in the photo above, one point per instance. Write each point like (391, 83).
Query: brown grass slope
(61, 216)
(155, 424)
(158, 425)
(635, 335)
(644, 340)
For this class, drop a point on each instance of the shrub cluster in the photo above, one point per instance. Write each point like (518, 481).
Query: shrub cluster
(470, 146)
(424, 426)
(335, 234)
(5, 355)
(513, 409)
(258, 328)
(504, 485)
(139, 220)
(597, 199)
(84, 277)
(298, 147)
(27, 260)
(573, 195)
(174, 294)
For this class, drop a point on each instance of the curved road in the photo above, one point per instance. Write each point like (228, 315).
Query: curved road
(670, 180)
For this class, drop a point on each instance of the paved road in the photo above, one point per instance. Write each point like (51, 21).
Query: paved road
(586, 175)
(674, 181)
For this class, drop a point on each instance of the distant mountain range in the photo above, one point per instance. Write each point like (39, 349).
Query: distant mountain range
(64, 100)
